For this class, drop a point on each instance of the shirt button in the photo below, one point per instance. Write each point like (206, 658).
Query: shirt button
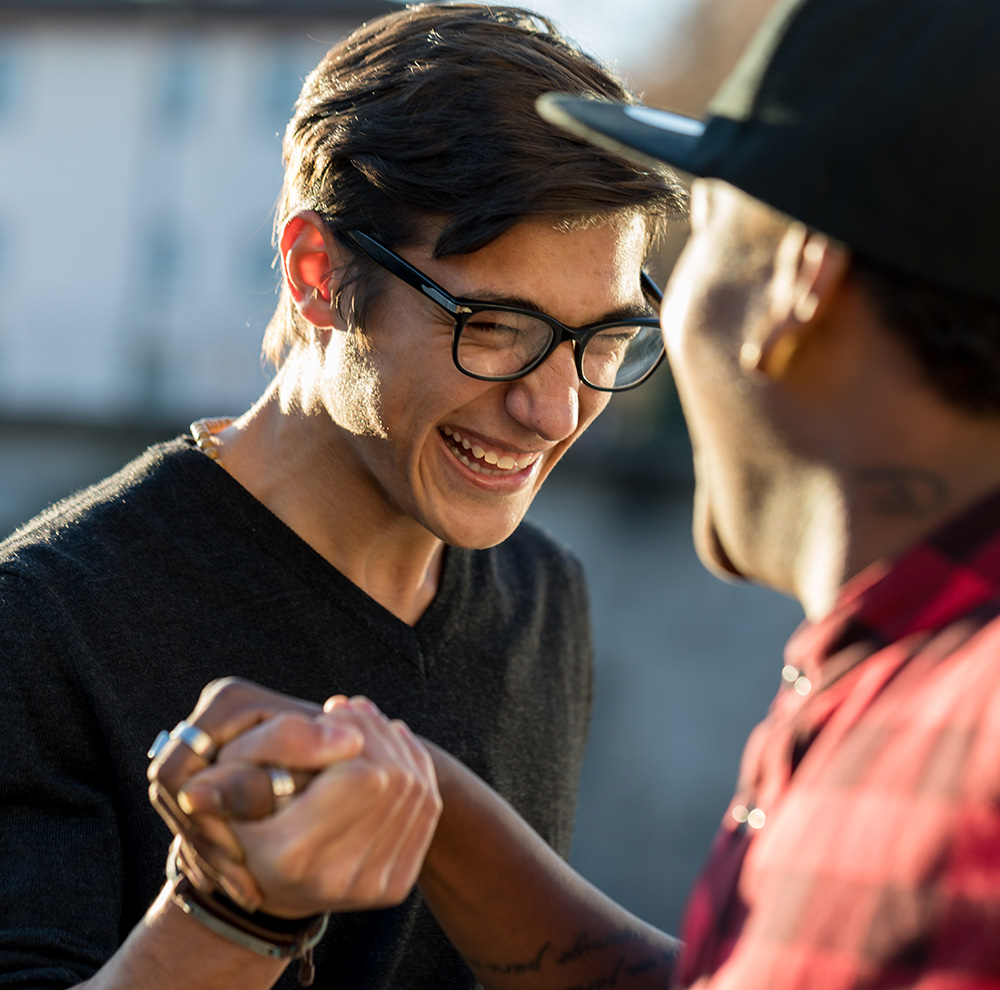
(795, 679)
(753, 817)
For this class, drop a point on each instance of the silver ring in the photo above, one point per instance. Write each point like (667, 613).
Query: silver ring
(282, 785)
(197, 740)
(161, 740)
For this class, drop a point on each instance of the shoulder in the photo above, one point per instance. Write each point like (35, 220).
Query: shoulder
(89, 531)
(532, 547)
(530, 566)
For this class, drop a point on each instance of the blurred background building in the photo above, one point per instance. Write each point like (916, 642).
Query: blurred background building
(139, 161)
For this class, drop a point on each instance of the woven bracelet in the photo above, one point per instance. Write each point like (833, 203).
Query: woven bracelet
(266, 934)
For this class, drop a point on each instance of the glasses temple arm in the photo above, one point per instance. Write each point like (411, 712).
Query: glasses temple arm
(403, 270)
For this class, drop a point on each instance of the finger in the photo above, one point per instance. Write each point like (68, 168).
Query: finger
(419, 753)
(381, 742)
(396, 855)
(244, 792)
(208, 872)
(332, 821)
(234, 791)
(225, 709)
(337, 846)
(365, 872)
(294, 740)
(215, 834)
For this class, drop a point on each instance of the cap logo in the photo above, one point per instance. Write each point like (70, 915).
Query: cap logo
(664, 120)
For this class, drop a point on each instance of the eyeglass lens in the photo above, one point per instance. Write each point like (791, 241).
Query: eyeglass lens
(497, 344)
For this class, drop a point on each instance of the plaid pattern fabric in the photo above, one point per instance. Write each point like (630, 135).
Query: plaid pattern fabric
(862, 848)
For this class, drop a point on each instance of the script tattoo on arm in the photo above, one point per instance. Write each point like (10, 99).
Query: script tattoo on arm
(619, 972)
(531, 966)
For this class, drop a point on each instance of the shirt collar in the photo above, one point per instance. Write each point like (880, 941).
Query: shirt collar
(953, 571)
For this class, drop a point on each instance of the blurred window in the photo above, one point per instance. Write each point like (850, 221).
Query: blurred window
(180, 86)
(10, 73)
(161, 257)
(255, 262)
(280, 82)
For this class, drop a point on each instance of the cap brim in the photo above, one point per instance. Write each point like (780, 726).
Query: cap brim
(633, 131)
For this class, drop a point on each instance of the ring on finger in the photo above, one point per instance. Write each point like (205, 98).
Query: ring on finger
(282, 785)
(197, 740)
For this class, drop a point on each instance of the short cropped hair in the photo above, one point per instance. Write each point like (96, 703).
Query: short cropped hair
(954, 336)
(426, 117)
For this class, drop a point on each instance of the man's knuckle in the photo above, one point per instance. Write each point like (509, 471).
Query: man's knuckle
(371, 779)
(223, 688)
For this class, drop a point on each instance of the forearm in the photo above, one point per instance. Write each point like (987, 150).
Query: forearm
(521, 916)
(168, 950)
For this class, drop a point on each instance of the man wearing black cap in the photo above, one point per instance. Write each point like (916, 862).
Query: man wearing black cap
(834, 330)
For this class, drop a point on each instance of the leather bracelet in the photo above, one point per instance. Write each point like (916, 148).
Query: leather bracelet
(265, 934)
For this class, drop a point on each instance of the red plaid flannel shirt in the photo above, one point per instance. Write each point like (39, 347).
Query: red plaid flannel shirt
(862, 848)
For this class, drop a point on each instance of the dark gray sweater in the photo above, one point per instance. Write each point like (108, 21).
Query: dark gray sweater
(118, 605)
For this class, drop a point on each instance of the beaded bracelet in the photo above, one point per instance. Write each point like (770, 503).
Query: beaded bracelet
(265, 934)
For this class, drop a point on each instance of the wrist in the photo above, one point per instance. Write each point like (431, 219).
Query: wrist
(259, 932)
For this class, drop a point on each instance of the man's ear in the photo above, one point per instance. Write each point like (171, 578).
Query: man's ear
(808, 273)
(312, 261)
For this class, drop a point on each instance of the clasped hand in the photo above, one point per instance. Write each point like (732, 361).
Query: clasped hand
(354, 834)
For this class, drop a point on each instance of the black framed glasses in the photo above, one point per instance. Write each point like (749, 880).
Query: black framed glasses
(499, 343)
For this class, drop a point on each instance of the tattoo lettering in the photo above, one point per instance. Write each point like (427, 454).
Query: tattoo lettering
(584, 944)
(646, 966)
(653, 962)
(611, 980)
(903, 492)
(531, 966)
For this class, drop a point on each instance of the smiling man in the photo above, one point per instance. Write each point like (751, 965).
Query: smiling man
(833, 326)
(462, 291)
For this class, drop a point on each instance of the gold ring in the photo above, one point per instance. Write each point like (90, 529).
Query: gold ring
(282, 785)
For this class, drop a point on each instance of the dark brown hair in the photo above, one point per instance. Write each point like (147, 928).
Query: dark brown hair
(427, 116)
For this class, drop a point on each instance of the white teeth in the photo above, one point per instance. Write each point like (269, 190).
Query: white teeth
(502, 462)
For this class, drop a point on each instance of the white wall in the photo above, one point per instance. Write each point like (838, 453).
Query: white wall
(138, 168)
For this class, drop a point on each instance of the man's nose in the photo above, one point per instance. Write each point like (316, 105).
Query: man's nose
(547, 400)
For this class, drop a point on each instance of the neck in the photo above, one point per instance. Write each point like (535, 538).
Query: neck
(294, 459)
(890, 499)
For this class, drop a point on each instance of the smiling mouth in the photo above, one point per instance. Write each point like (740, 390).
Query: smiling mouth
(484, 460)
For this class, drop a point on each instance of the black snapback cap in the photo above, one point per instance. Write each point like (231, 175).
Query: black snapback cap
(874, 121)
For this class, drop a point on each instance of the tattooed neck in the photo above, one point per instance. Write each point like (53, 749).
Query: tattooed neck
(901, 492)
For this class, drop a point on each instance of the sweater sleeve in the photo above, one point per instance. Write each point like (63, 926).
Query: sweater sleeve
(60, 852)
